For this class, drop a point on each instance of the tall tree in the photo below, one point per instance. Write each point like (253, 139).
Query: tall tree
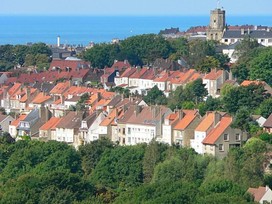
(155, 96)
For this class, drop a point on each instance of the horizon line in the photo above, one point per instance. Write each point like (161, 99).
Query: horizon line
(131, 15)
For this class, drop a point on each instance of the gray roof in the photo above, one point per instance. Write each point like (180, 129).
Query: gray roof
(253, 33)
(115, 100)
(233, 46)
(91, 118)
(44, 87)
(34, 114)
(268, 122)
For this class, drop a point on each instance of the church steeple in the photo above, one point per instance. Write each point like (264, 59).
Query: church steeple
(217, 24)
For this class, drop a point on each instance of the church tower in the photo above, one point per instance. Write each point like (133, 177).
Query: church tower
(217, 25)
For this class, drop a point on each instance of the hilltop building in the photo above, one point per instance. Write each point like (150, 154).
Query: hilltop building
(216, 28)
(219, 31)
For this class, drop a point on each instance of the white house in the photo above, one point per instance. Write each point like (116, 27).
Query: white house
(261, 195)
(67, 130)
(145, 124)
(202, 130)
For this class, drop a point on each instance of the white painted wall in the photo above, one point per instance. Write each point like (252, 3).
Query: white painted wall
(136, 134)
(196, 143)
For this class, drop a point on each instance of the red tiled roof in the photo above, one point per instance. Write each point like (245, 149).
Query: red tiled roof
(63, 64)
(14, 88)
(60, 88)
(51, 124)
(128, 72)
(258, 193)
(138, 73)
(40, 98)
(206, 123)
(17, 121)
(190, 115)
(120, 65)
(11, 80)
(24, 98)
(149, 74)
(148, 116)
(214, 74)
(110, 118)
(213, 136)
(248, 82)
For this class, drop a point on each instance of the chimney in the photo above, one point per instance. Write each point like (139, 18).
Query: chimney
(98, 96)
(5, 93)
(62, 99)
(180, 114)
(217, 117)
(42, 113)
(242, 31)
(137, 110)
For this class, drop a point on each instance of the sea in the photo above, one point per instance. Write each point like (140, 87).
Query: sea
(82, 30)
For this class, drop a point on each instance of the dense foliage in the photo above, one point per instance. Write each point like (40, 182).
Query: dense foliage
(144, 49)
(37, 54)
(103, 172)
(254, 63)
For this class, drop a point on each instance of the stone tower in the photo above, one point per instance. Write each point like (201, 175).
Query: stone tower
(217, 25)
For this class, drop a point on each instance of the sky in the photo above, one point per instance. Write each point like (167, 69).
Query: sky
(134, 7)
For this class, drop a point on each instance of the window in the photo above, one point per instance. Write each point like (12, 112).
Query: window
(237, 137)
(129, 140)
(221, 147)
(124, 131)
(226, 40)
(262, 40)
(129, 131)
(226, 137)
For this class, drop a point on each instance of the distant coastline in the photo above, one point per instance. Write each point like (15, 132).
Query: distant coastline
(21, 29)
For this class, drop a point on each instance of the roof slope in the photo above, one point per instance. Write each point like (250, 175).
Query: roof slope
(186, 120)
(206, 123)
(213, 136)
(71, 120)
(258, 193)
(268, 122)
(50, 124)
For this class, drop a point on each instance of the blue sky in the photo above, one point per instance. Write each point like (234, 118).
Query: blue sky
(133, 7)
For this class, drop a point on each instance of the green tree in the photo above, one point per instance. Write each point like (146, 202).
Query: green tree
(266, 107)
(207, 63)
(181, 48)
(155, 96)
(195, 91)
(199, 50)
(152, 156)
(261, 66)
(146, 48)
(245, 46)
(242, 119)
(120, 168)
(91, 153)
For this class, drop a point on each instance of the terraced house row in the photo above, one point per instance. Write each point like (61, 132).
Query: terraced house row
(127, 121)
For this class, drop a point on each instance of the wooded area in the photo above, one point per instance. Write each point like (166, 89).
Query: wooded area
(103, 172)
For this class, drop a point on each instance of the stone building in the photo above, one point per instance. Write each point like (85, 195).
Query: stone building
(217, 25)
